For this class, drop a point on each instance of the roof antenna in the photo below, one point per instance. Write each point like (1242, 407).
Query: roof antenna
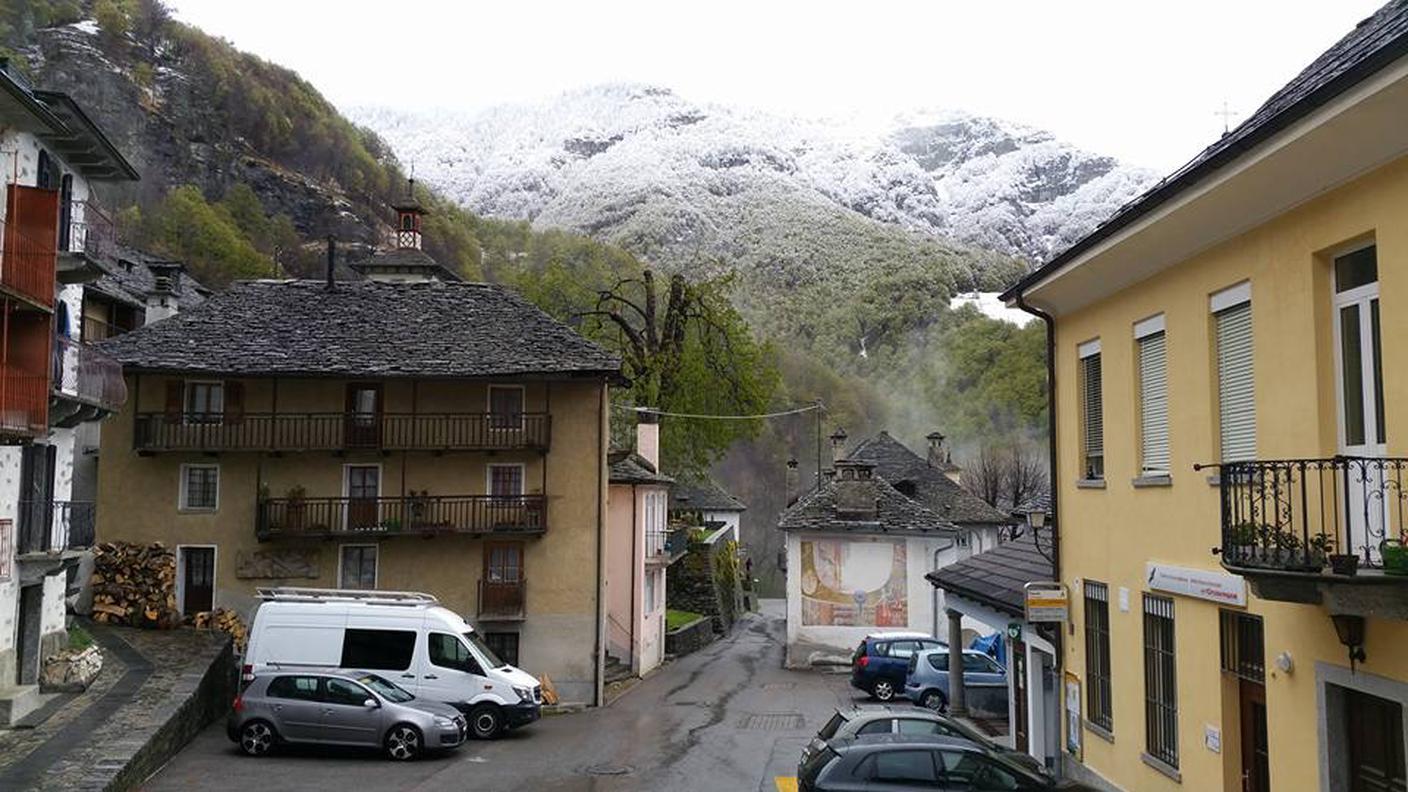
(1226, 113)
(332, 255)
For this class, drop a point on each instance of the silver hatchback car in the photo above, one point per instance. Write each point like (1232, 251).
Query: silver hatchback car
(329, 707)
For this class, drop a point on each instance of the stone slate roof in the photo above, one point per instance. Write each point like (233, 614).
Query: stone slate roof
(363, 329)
(703, 495)
(408, 260)
(894, 513)
(997, 578)
(896, 463)
(628, 467)
(1372, 45)
(130, 281)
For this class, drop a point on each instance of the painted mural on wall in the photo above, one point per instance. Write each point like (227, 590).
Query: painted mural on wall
(854, 584)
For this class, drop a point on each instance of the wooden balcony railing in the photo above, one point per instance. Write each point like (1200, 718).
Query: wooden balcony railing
(83, 373)
(160, 431)
(501, 600)
(366, 518)
(1294, 515)
(24, 401)
(29, 244)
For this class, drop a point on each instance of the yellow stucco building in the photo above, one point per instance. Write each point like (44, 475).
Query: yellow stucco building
(402, 432)
(1229, 423)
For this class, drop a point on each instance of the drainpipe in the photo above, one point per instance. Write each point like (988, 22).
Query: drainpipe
(598, 656)
(1050, 428)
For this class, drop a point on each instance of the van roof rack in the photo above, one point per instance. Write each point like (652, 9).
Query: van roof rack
(296, 594)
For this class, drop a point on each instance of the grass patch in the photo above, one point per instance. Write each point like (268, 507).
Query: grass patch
(78, 638)
(675, 619)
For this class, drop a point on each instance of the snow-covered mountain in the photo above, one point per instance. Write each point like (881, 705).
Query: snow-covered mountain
(677, 180)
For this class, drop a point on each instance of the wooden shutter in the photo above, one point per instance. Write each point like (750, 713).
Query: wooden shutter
(234, 402)
(1235, 395)
(1093, 419)
(175, 400)
(1153, 403)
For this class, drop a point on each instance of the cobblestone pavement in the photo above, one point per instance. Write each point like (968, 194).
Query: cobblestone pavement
(726, 718)
(146, 677)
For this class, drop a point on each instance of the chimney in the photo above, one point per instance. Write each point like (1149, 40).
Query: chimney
(332, 257)
(855, 490)
(838, 444)
(793, 481)
(941, 457)
(648, 438)
(161, 300)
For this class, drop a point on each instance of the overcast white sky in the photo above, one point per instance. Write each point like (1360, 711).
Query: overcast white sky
(1134, 78)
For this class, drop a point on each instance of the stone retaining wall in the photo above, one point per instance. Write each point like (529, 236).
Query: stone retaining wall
(690, 638)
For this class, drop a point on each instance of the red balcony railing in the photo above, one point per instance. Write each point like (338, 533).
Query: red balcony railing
(84, 373)
(24, 401)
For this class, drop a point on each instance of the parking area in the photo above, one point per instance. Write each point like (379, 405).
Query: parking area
(726, 718)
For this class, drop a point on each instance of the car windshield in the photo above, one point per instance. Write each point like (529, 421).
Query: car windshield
(832, 726)
(484, 651)
(385, 689)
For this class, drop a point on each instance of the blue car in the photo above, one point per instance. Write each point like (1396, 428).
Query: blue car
(880, 661)
(926, 680)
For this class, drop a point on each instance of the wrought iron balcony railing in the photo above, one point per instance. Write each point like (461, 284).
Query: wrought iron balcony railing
(366, 518)
(1302, 515)
(339, 431)
(501, 600)
(83, 373)
(668, 545)
(88, 230)
(51, 526)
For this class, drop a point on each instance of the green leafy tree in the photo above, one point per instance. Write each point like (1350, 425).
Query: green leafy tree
(206, 237)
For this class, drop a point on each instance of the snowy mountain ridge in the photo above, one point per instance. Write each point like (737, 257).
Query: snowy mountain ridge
(674, 179)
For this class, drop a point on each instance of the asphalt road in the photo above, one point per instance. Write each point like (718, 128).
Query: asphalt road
(726, 718)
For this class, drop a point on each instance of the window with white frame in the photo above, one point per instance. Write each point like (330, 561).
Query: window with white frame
(1236, 403)
(205, 401)
(1152, 359)
(358, 567)
(1092, 408)
(650, 591)
(200, 487)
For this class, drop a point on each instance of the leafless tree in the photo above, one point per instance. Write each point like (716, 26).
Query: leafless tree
(985, 474)
(1006, 476)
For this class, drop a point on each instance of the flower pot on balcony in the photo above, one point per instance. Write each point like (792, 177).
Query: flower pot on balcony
(1344, 564)
(1395, 557)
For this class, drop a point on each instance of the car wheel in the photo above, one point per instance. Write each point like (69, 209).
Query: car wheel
(257, 738)
(486, 721)
(884, 690)
(934, 700)
(403, 742)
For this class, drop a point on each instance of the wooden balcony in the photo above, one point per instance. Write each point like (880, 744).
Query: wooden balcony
(25, 338)
(29, 244)
(501, 600)
(1319, 531)
(341, 431)
(413, 515)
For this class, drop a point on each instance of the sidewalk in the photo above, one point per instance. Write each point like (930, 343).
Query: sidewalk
(153, 694)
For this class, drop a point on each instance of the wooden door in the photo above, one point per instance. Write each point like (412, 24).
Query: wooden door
(363, 491)
(503, 579)
(198, 579)
(362, 420)
(1375, 729)
(1020, 730)
(37, 465)
(1256, 761)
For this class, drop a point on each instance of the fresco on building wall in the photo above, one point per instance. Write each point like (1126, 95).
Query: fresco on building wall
(854, 584)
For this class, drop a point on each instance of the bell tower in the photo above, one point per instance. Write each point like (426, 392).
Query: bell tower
(409, 213)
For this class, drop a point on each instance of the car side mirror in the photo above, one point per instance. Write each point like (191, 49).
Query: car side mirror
(370, 704)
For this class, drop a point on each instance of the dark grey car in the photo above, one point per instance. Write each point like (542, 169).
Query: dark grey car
(329, 707)
(906, 720)
(911, 763)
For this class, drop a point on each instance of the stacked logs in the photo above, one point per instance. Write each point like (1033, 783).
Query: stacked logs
(226, 621)
(135, 585)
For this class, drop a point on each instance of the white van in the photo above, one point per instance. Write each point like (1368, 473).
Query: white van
(406, 636)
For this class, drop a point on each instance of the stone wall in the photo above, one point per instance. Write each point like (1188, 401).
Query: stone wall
(705, 581)
(690, 638)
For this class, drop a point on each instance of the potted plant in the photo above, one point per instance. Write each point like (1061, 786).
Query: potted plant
(295, 508)
(1241, 542)
(1318, 550)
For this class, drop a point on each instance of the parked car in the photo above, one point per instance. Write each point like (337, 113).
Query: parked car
(406, 636)
(879, 663)
(882, 719)
(333, 707)
(911, 763)
(926, 678)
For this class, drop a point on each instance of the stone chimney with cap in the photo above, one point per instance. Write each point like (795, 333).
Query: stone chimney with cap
(855, 490)
(793, 481)
(941, 457)
(166, 282)
(648, 438)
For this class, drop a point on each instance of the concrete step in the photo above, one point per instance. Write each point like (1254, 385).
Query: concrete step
(17, 702)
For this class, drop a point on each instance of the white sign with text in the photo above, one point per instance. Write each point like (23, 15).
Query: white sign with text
(1199, 583)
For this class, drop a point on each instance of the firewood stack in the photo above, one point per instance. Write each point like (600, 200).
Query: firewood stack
(135, 585)
(226, 621)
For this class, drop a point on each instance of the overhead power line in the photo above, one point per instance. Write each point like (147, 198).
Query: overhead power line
(666, 414)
